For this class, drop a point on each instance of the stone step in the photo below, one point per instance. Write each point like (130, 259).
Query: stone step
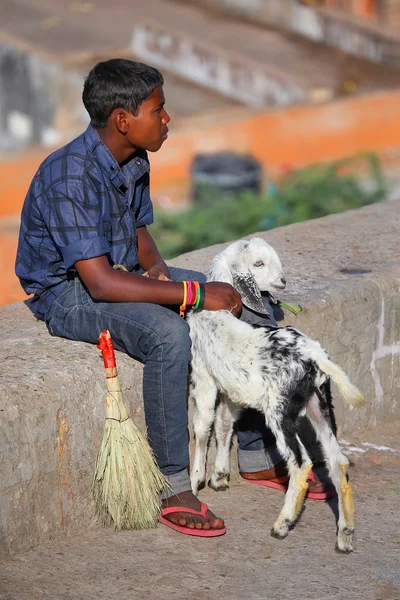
(345, 271)
(259, 65)
(246, 562)
(336, 24)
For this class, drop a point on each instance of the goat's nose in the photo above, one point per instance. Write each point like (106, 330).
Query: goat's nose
(283, 280)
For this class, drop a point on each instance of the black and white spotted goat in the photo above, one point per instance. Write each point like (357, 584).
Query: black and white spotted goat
(279, 371)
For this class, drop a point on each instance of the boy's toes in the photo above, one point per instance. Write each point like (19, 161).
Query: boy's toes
(204, 521)
(215, 522)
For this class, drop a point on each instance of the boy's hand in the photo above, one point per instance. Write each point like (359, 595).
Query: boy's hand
(222, 296)
(158, 271)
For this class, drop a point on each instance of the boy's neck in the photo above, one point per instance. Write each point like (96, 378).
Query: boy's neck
(121, 153)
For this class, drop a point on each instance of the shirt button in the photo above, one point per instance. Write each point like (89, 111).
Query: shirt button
(138, 162)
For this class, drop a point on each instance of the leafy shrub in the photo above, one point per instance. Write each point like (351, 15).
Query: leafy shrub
(301, 195)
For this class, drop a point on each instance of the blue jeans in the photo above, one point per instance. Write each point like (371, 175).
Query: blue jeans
(156, 336)
(159, 338)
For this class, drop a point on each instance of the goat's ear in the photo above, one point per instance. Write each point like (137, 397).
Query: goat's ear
(250, 292)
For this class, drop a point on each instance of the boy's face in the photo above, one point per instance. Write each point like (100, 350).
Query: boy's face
(148, 130)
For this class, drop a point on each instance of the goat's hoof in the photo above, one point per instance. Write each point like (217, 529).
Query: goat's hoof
(219, 485)
(341, 550)
(280, 533)
(196, 486)
(344, 542)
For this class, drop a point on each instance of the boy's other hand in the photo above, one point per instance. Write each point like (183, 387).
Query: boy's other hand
(159, 271)
(222, 296)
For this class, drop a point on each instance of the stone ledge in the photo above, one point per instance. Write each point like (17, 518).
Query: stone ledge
(344, 270)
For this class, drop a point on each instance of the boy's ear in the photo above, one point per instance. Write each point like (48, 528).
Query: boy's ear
(120, 120)
(250, 292)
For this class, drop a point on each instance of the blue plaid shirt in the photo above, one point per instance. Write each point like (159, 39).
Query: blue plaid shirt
(80, 205)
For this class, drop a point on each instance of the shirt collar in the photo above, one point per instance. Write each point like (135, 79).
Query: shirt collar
(132, 171)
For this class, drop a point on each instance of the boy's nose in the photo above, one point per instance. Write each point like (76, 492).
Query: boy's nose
(166, 117)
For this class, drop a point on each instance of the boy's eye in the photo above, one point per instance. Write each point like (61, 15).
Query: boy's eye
(259, 263)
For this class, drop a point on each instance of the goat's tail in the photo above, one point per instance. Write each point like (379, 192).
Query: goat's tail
(350, 393)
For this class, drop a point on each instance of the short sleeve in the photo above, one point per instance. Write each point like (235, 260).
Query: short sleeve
(75, 223)
(144, 210)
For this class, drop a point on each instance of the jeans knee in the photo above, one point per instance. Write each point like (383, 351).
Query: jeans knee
(179, 336)
(174, 337)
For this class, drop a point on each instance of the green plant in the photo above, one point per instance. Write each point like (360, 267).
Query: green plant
(328, 188)
(305, 194)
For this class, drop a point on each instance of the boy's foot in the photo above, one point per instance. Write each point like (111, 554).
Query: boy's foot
(279, 474)
(188, 500)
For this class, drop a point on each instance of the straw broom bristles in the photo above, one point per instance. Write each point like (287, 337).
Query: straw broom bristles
(127, 481)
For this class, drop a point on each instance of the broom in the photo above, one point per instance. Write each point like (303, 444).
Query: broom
(127, 482)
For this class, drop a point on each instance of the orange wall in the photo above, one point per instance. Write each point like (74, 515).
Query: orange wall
(10, 289)
(15, 177)
(297, 136)
(360, 8)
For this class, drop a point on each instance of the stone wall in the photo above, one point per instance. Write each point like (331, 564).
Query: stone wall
(40, 100)
(344, 270)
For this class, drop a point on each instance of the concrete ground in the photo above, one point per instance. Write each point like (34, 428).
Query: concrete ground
(246, 563)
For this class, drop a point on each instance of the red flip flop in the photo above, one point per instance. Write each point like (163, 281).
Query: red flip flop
(329, 487)
(186, 530)
(281, 483)
(278, 483)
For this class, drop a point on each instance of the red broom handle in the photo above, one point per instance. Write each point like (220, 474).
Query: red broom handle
(115, 407)
(107, 349)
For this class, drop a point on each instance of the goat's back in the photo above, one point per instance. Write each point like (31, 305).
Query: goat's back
(248, 362)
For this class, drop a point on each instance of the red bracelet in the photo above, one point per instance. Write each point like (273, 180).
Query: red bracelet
(189, 299)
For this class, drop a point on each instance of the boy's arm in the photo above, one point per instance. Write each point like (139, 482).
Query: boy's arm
(149, 257)
(111, 285)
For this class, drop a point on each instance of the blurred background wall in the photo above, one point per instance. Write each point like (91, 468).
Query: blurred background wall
(282, 110)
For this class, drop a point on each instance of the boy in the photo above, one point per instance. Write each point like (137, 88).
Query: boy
(88, 209)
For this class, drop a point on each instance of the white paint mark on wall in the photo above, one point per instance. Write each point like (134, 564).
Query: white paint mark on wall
(381, 352)
(223, 72)
(20, 126)
(380, 448)
(351, 449)
(50, 137)
(306, 22)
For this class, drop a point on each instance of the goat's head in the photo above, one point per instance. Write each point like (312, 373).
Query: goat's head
(251, 266)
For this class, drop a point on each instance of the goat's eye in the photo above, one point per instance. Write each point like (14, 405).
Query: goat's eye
(259, 263)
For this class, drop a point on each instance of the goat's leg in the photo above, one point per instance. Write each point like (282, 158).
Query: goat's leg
(226, 415)
(204, 395)
(337, 462)
(299, 466)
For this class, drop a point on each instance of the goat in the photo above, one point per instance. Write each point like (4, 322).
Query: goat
(277, 370)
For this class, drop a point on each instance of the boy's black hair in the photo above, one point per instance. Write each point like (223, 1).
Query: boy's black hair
(118, 83)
